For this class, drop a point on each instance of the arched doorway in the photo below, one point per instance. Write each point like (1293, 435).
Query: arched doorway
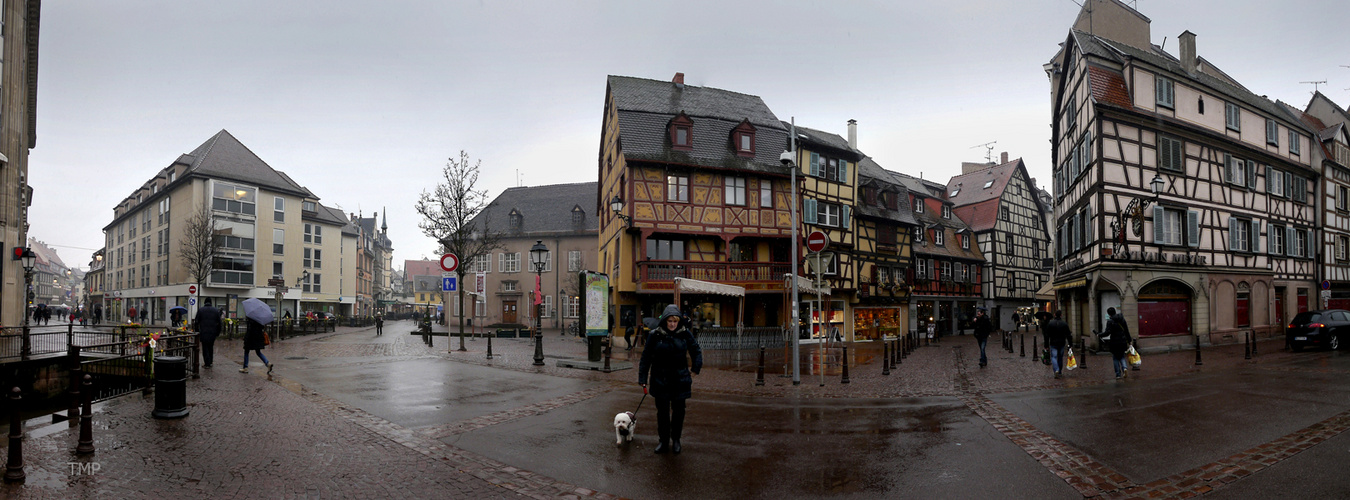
(1164, 309)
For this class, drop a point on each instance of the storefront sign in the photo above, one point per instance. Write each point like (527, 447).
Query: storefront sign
(1175, 258)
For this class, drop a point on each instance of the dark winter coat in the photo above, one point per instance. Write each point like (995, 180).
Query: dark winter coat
(1057, 333)
(253, 336)
(666, 357)
(983, 327)
(208, 322)
(1120, 335)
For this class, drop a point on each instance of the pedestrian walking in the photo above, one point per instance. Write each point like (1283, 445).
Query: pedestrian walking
(254, 341)
(1057, 335)
(379, 326)
(983, 327)
(145, 314)
(628, 323)
(1016, 318)
(1116, 335)
(208, 328)
(667, 356)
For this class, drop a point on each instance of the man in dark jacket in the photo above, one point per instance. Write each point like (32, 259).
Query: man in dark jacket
(983, 327)
(668, 355)
(1057, 336)
(208, 327)
(1117, 338)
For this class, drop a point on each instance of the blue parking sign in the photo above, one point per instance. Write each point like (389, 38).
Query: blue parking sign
(448, 284)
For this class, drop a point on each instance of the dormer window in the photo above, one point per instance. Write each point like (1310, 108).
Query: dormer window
(743, 139)
(307, 206)
(578, 216)
(517, 221)
(918, 205)
(946, 212)
(891, 202)
(681, 133)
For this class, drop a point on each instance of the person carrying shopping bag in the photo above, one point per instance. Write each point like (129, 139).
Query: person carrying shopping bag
(1117, 338)
(1057, 335)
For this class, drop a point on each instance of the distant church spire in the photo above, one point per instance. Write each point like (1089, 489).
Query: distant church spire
(384, 226)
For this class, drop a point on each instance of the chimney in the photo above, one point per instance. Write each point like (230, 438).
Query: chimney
(1004, 158)
(678, 80)
(1187, 51)
(853, 134)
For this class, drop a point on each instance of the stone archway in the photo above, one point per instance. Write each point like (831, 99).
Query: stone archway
(1165, 308)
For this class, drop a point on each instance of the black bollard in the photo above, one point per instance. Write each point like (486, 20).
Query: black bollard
(885, 359)
(1198, 362)
(1253, 344)
(1246, 346)
(1023, 340)
(1035, 353)
(897, 354)
(608, 346)
(489, 353)
(844, 360)
(86, 445)
(1082, 359)
(759, 374)
(14, 467)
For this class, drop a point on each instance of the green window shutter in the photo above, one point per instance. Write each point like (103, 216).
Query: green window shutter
(815, 164)
(1232, 234)
(1192, 228)
(1255, 229)
(843, 171)
(1227, 168)
(1289, 241)
(809, 210)
(1251, 174)
(843, 217)
(1158, 221)
(1270, 238)
(1087, 225)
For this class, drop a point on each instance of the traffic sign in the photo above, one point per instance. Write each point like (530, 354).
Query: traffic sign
(1326, 284)
(192, 289)
(449, 262)
(448, 284)
(192, 301)
(816, 241)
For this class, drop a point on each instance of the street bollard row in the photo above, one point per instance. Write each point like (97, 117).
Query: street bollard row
(1198, 361)
(86, 445)
(885, 359)
(844, 360)
(14, 466)
(759, 373)
(1023, 339)
(1035, 353)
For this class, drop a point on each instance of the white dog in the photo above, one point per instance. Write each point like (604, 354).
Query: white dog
(625, 424)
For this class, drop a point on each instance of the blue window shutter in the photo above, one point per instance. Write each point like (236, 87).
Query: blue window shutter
(1255, 227)
(1158, 221)
(815, 164)
(1227, 167)
(843, 170)
(843, 218)
(1232, 234)
(1087, 225)
(809, 210)
(1251, 174)
(1192, 228)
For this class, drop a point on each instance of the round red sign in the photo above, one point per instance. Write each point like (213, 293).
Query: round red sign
(816, 241)
(449, 262)
(192, 289)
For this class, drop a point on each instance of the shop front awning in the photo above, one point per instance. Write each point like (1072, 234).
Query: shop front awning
(1046, 292)
(805, 285)
(1071, 284)
(686, 285)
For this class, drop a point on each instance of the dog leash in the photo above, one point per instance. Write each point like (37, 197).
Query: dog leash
(644, 398)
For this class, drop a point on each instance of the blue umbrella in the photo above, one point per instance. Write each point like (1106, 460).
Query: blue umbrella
(178, 308)
(257, 310)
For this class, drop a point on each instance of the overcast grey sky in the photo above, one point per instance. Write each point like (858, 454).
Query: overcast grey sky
(362, 102)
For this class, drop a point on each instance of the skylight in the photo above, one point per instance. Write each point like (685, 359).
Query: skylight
(988, 184)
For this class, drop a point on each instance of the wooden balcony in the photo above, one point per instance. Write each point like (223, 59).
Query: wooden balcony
(660, 275)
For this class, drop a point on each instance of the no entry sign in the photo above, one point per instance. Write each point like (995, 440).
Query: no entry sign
(449, 262)
(816, 241)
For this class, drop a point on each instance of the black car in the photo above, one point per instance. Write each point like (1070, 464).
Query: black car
(1321, 328)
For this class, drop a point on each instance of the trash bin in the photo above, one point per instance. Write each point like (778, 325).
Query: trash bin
(170, 387)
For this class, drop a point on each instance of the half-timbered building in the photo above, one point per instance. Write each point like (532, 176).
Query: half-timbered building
(945, 273)
(884, 228)
(1000, 203)
(1181, 197)
(1332, 156)
(703, 195)
(828, 170)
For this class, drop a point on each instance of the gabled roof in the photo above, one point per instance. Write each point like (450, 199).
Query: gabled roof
(920, 187)
(870, 171)
(646, 107)
(827, 139)
(224, 157)
(543, 209)
(973, 184)
(412, 268)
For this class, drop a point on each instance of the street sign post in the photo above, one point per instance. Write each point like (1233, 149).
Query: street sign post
(817, 241)
(449, 262)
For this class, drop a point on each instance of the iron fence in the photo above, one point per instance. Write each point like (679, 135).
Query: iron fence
(125, 366)
(722, 338)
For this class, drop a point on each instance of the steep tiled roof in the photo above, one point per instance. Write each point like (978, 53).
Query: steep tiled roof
(543, 209)
(973, 184)
(646, 107)
(224, 157)
(981, 216)
(1108, 86)
(824, 138)
(869, 170)
(412, 268)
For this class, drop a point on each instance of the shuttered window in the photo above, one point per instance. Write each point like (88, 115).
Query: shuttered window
(1170, 154)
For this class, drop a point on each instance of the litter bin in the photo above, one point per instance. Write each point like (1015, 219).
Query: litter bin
(170, 387)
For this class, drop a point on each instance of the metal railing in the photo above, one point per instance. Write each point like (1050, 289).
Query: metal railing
(720, 272)
(722, 338)
(125, 366)
(18, 343)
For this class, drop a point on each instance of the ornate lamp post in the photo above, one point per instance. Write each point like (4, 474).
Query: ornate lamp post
(538, 253)
(1133, 213)
(28, 259)
(616, 205)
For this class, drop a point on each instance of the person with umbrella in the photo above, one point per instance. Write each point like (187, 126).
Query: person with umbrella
(176, 315)
(208, 328)
(257, 314)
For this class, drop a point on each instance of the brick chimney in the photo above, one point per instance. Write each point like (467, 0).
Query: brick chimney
(1187, 51)
(679, 79)
(1003, 157)
(853, 134)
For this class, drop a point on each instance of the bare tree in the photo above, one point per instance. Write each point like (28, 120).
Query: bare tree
(449, 213)
(197, 247)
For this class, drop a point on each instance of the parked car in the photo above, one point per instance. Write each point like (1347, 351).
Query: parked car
(1321, 328)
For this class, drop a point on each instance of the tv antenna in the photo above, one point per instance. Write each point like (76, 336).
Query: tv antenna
(1316, 83)
(989, 150)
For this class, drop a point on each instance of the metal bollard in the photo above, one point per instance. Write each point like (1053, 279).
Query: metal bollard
(1035, 353)
(1198, 362)
(896, 353)
(489, 353)
(885, 359)
(14, 467)
(73, 409)
(1253, 344)
(86, 445)
(1023, 339)
(844, 361)
(609, 345)
(1082, 359)
(759, 373)
(1246, 346)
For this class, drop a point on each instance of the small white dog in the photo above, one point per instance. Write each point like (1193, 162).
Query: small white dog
(625, 424)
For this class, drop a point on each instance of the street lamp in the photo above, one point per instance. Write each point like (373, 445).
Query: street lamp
(789, 159)
(28, 259)
(538, 253)
(1133, 214)
(616, 205)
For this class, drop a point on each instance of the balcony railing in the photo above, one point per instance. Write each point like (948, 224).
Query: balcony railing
(758, 275)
